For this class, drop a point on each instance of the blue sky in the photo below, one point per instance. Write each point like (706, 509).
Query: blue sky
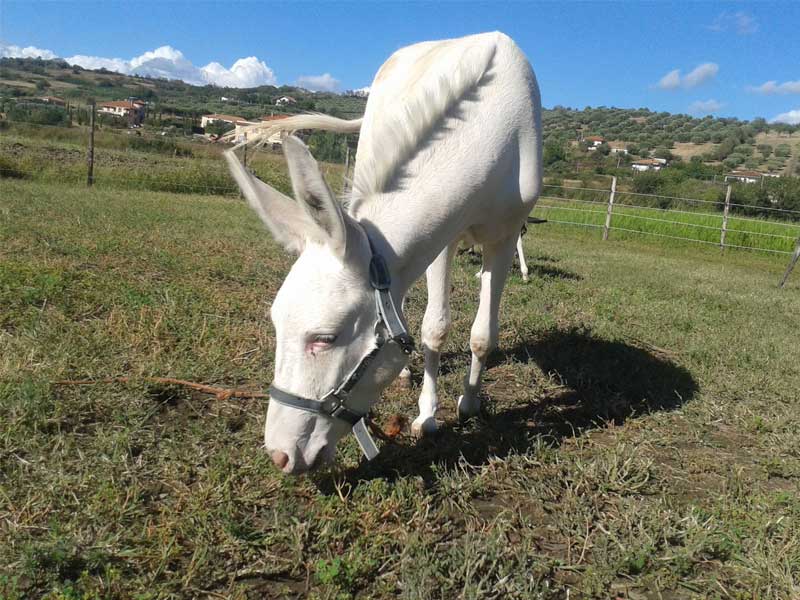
(584, 54)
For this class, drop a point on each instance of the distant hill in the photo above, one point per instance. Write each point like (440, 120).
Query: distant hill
(724, 142)
(729, 142)
(34, 77)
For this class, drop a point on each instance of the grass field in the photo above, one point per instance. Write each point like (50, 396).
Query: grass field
(640, 437)
(124, 161)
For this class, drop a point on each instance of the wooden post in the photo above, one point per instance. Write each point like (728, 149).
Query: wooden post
(610, 207)
(90, 155)
(345, 186)
(244, 151)
(725, 217)
(792, 262)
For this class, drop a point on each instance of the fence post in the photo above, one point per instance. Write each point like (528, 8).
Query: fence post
(345, 185)
(792, 262)
(725, 218)
(610, 207)
(90, 155)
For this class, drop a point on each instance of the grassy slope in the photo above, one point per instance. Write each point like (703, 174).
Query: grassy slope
(640, 436)
(55, 154)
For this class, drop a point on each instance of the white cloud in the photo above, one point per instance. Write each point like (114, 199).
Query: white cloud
(245, 72)
(697, 76)
(12, 51)
(701, 74)
(319, 83)
(704, 107)
(773, 87)
(168, 63)
(362, 92)
(792, 117)
(165, 62)
(95, 62)
(671, 80)
(740, 22)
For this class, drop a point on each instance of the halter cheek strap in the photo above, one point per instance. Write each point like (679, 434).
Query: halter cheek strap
(334, 403)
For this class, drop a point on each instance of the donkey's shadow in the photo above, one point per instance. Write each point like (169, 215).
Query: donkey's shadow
(600, 381)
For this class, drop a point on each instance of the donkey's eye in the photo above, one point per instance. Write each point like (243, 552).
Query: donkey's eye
(320, 343)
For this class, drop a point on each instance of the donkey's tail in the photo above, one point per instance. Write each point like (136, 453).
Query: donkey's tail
(261, 132)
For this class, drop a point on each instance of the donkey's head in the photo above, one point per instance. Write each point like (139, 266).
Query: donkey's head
(324, 314)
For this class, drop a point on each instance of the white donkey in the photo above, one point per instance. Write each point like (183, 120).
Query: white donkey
(449, 149)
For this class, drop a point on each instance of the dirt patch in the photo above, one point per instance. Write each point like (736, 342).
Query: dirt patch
(686, 150)
(17, 83)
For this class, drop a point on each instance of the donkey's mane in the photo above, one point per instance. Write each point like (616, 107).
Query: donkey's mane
(402, 123)
(444, 75)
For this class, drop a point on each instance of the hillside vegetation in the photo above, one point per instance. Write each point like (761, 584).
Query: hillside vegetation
(718, 142)
(700, 150)
(30, 77)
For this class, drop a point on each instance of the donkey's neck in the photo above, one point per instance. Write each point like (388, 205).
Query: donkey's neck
(409, 230)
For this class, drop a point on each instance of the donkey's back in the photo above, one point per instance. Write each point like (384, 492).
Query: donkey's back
(461, 116)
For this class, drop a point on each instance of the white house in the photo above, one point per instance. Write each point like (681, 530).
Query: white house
(132, 110)
(648, 164)
(209, 119)
(619, 151)
(359, 93)
(52, 100)
(743, 176)
(275, 138)
(594, 142)
(285, 100)
(241, 126)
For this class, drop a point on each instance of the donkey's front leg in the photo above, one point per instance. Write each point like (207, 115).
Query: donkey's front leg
(435, 326)
(497, 260)
(404, 379)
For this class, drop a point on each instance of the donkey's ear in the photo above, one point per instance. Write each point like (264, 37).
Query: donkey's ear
(288, 223)
(314, 195)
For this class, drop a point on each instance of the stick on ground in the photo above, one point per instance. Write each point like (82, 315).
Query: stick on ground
(219, 393)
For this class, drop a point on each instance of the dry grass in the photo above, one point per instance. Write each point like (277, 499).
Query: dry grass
(776, 139)
(639, 437)
(686, 150)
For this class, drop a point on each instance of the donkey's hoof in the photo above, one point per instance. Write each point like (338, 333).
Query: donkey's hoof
(423, 426)
(468, 407)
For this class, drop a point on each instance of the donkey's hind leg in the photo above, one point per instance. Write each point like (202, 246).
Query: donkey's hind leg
(435, 326)
(497, 260)
(523, 266)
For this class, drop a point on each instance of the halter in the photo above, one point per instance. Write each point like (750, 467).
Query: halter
(334, 403)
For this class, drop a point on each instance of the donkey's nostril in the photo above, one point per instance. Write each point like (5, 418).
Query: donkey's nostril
(280, 459)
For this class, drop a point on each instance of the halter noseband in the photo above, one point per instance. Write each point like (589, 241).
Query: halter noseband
(334, 403)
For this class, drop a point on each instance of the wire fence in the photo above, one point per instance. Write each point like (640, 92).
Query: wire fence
(122, 164)
(627, 213)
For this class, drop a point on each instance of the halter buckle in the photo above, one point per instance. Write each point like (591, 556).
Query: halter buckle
(379, 277)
